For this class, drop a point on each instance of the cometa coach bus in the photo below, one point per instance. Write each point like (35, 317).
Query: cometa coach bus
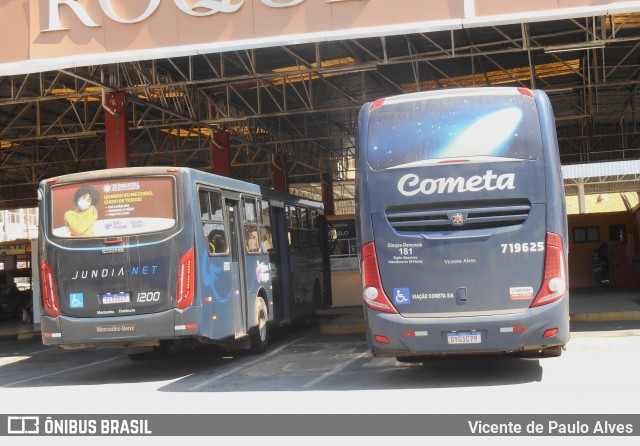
(462, 224)
(144, 257)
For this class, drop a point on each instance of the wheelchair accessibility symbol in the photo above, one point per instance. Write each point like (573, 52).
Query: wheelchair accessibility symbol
(76, 300)
(402, 296)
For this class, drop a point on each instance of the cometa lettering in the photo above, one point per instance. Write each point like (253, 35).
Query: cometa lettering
(411, 184)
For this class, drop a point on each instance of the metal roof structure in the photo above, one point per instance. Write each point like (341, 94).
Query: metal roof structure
(596, 178)
(302, 100)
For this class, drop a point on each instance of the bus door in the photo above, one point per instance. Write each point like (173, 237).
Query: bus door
(281, 286)
(238, 270)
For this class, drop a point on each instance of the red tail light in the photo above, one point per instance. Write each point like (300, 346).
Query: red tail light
(376, 104)
(554, 285)
(525, 92)
(186, 280)
(373, 293)
(49, 293)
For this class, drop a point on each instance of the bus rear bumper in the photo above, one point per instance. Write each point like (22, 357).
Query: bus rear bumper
(144, 330)
(392, 335)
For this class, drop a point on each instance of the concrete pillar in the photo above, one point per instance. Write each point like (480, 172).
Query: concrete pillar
(221, 154)
(582, 205)
(116, 131)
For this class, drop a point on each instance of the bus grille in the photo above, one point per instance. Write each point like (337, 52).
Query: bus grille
(442, 220)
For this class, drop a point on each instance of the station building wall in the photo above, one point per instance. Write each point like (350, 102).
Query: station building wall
(619, 230)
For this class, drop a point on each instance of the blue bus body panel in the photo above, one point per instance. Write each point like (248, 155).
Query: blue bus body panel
(497, 333)
(479, 277)
(475, 262)
(121, 290)
(121, 331)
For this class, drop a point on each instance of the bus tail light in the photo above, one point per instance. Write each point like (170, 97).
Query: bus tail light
(186, 280)
(554, 285)
(381, 339)
(373, 293)
(49, 293)
(376, 104)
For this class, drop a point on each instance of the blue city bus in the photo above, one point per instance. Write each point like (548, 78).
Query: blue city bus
(462, 226)
(141, 258)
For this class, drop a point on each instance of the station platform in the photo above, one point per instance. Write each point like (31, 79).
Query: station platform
(585, 305)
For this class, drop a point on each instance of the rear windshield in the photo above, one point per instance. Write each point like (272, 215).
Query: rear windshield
(402, 132)
(113, 207)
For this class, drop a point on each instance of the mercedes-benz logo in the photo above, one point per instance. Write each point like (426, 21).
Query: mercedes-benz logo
(457, 219)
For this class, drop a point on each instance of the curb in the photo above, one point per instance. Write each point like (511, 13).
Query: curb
(20, 336)
(34, 334)
(342, 328)
(607, 316)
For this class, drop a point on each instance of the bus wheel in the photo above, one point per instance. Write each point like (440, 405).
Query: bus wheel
(317, 295)
(259, 333)
(410, 359)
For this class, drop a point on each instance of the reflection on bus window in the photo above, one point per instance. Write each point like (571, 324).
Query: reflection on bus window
(213, 221)
(250, 211)
(267, 239)
(266, 215)
(252, 243)
(214, 233)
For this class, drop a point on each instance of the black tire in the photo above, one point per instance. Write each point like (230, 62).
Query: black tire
(259, 333)
(317, 296)
(410, 359)
(158, 352)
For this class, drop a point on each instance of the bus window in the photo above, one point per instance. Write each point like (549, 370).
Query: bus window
(205, 209)
(265, 212)
(264, 217)
(249, 211)
(215, 235)
(252, 241)
(267, 239)
(213, 221)
(314, 219)
(304, 218)
(251, 235)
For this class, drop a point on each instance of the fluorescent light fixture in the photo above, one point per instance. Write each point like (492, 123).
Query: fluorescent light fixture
(575, 46)
(559, 90)
(77, 135)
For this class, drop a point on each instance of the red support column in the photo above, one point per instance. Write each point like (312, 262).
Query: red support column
(279, 172)
(327, 194)
(116, 131)
(221, 154)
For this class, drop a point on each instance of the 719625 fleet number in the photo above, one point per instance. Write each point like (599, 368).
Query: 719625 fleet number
(516, 248)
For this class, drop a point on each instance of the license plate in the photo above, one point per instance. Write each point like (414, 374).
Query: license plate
(467, 337)
(114, 298)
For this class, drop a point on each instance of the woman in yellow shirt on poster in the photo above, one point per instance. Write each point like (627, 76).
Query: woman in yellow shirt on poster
(80, 220)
